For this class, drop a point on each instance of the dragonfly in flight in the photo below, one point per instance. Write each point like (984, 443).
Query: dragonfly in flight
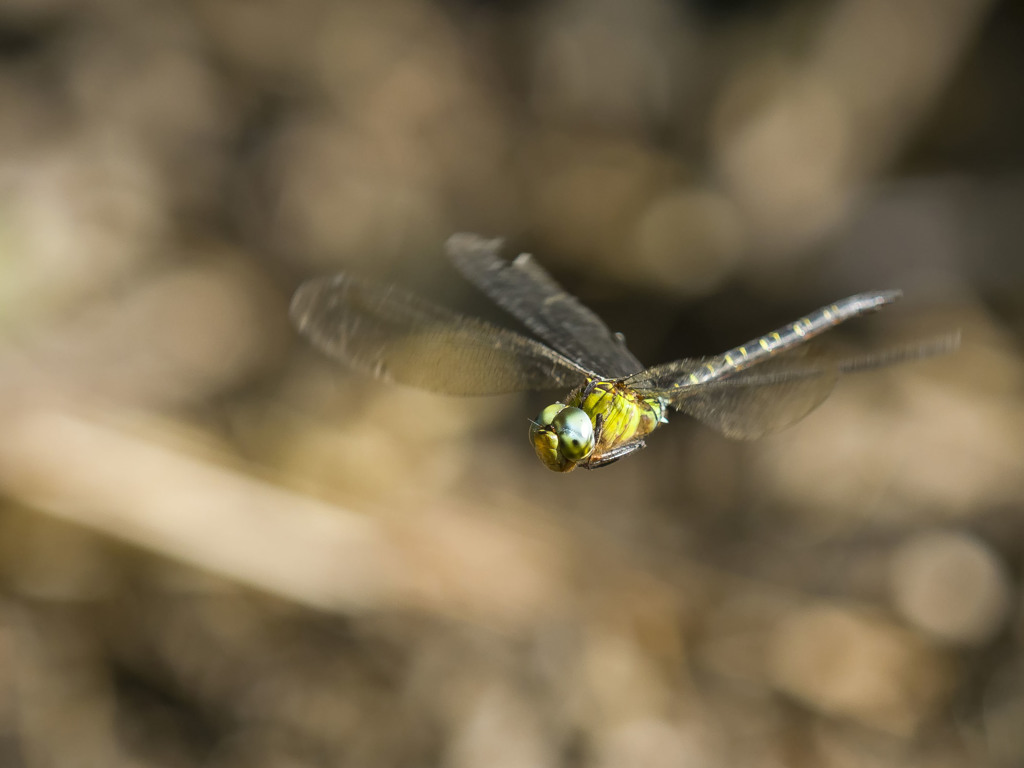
(613, 401)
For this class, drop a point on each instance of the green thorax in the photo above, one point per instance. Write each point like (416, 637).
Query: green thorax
(626, 415)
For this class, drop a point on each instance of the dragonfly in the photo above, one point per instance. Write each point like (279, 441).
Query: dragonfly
(614, 402)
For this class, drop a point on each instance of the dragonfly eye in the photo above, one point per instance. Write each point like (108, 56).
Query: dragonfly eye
(548, 414)
(575, 433)
(562, 437)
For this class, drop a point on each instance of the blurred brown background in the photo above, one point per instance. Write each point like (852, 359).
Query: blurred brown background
(216, 549)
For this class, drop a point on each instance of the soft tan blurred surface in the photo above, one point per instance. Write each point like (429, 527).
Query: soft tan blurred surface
(219, 550)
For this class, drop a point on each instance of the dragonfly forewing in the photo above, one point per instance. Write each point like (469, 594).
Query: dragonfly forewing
(397, 336)
(524, 289)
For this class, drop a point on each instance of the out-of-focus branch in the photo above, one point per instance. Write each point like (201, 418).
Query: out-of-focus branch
(138, 490)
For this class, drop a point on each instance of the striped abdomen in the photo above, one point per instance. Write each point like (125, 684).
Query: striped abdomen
(787, 336)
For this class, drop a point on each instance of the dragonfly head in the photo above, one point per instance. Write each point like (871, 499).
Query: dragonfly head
(562, 436)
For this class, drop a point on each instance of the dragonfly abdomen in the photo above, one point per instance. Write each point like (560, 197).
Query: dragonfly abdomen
(788, 336)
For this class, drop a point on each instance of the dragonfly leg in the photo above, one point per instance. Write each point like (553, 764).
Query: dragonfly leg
(614, 455)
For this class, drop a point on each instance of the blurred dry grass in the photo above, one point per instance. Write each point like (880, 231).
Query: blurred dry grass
(216, 550)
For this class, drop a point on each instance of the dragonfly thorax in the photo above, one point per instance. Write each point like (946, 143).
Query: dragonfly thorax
(597, 424)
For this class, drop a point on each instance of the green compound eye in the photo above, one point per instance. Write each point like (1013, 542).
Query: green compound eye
(549, 413)
(575, 433)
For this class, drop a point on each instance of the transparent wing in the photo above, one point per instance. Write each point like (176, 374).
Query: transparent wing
(758, 401)
(757, 351)
(781, 391)
(775, 380)
(397, 336)
(526, 290)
